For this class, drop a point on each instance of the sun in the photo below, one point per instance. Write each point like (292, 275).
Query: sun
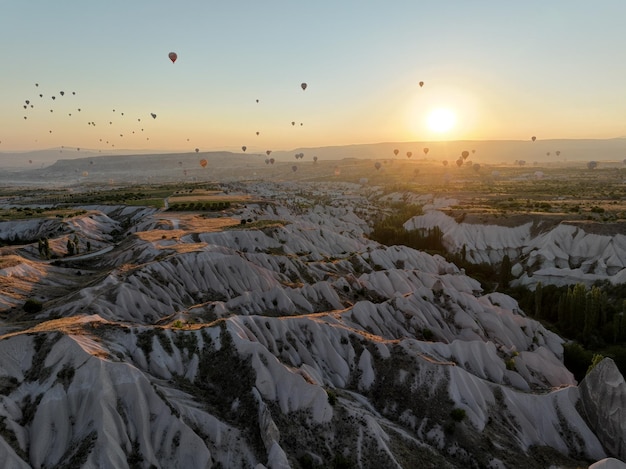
(441, 120)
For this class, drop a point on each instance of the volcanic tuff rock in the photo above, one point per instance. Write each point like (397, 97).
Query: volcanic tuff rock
(603, 398)
(292, 341)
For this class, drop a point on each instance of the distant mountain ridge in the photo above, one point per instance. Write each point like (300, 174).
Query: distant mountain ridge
(483, 151)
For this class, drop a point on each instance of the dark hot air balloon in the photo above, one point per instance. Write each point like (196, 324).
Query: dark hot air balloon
(173, 56)
(426, 150)
(197, 150)
(268, 152)
(533, 138)
(465, 154)
(377, 165)
(421, 84)
(244, 148)
(396, 151)
(303, 86)
(153, 115)
(409, 154)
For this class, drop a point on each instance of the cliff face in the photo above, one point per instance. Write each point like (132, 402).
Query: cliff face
(603, 398)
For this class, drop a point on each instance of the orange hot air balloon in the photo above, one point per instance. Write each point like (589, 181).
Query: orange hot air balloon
(173, 56)
(203, 163)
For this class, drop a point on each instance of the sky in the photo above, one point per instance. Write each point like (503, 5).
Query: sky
(500, 70)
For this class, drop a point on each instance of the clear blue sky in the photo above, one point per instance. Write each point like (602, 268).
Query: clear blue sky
(507, 70)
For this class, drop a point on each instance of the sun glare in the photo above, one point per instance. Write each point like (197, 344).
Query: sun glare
(441, 120)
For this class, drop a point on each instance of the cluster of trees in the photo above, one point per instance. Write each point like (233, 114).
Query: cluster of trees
(390, 230)
(193, 206)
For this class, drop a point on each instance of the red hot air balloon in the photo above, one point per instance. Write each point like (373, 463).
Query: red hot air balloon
(173, 56)
(203, 163)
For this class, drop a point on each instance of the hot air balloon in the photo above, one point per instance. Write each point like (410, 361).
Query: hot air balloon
(558, 152)
(396, 151)
(426, 150)
(377, 165)
(153, 115)
(533, 138)
(465, 154)
(258, 133)
(268, 152)
(85, 174)
(459, 162)
(257, 100)
(409, 154)
(294, 168)
(62, 93)
(476, 167)
(173, 56)
(197, 150)
(421, 84)
(203, 163)
(244, 148)
(272, 160)
(315, 159)
(303, 86)
(445, 162)
(267, 161)
(293, 123)
(592, 165)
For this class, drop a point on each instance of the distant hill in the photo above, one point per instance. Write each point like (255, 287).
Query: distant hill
(486, 151)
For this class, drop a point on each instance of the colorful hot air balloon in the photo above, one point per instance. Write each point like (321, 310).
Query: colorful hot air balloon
(173, 56)
(203, 163)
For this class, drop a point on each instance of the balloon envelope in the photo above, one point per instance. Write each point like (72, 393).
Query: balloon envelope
(396, 151)
(173, 56)
(303, 86)
(421, 84)
(203, 163)
(244, 148)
